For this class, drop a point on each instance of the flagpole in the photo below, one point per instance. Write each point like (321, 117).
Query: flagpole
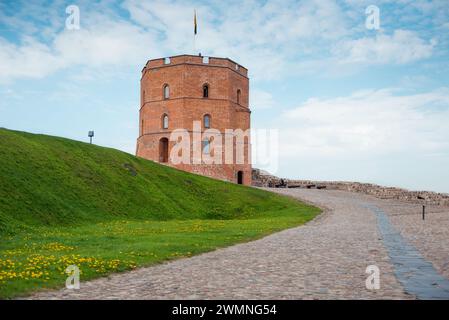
(194, 31)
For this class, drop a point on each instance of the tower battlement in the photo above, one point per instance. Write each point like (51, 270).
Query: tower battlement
(195, 60)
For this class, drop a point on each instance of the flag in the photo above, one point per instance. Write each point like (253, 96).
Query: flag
(195, 27)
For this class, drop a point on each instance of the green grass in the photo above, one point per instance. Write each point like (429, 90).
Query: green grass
(65, 202)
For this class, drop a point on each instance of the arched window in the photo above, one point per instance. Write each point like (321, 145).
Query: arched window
(205, 91)
(165, 121)
(239, 93)
(166, 91)
(206, 121)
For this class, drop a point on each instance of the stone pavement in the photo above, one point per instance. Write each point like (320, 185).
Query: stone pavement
(324, 259)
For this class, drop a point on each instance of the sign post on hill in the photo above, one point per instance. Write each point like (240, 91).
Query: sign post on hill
(90, 135)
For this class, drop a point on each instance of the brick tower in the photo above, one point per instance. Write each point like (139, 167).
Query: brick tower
(213, 93)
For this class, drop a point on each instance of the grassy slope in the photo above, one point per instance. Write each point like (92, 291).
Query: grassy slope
(65, 202)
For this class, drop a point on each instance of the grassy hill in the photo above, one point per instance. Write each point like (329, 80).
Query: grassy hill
(66, 202)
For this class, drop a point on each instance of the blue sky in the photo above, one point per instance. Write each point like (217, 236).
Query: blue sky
(349, 103)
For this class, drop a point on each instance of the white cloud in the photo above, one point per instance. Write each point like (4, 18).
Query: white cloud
(260, 99)
(377, 136)
(103, 42)
(368, 123)
(401, 47)
(286, 38)
(31, 59)
(258, 35)
(110, 43)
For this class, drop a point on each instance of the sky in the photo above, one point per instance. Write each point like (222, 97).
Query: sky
(349, 102)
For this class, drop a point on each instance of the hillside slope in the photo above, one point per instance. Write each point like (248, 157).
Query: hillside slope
(64, 203)
(52, 181)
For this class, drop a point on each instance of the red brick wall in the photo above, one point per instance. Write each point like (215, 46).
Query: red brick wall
(186, 76)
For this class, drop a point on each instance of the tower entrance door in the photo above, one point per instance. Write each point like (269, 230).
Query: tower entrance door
(240, 177)
(163, 150)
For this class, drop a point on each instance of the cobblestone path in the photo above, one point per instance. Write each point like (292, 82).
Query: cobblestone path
(324, 259)
(417, 275)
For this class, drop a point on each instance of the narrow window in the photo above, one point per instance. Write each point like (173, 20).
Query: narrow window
(206, 146)
(238, 96)
(141, 128)
(166, 60)
(166, 91)
(206, 121)
(165, 121)
(205, 91)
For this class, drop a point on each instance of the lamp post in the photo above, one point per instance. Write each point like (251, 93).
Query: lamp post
(423, 207)
(90, 135)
